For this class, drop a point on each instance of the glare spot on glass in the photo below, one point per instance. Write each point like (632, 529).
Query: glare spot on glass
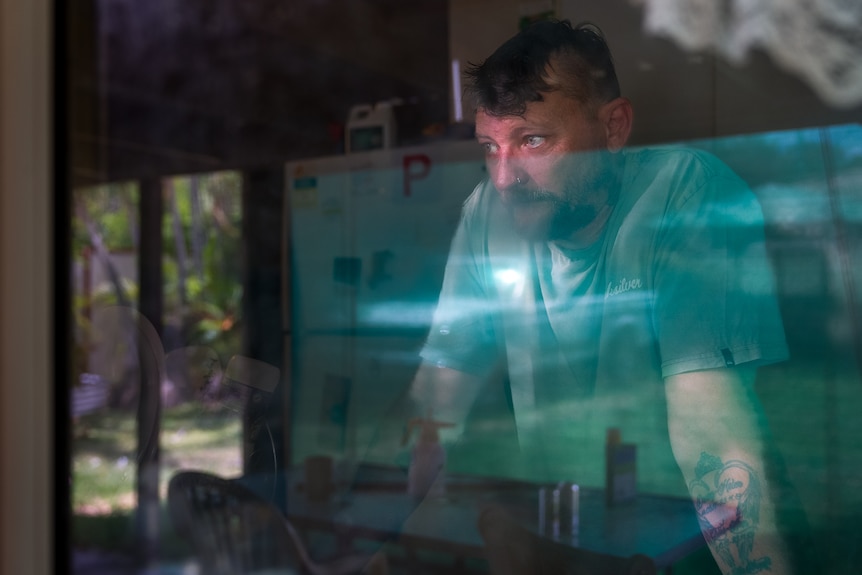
(508, 276)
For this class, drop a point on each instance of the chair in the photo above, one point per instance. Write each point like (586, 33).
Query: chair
(234, 531)
(513, 550)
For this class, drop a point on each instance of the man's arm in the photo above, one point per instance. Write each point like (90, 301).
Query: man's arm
(447, 393)
(717, 436)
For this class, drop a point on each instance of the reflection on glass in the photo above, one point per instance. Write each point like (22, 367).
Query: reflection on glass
(351, 365)
(370, 235)
(104, 400)
(200, 424)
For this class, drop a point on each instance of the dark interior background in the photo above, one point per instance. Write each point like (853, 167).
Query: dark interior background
(169, 86)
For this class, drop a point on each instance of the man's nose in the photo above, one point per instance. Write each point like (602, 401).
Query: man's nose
(506, 172)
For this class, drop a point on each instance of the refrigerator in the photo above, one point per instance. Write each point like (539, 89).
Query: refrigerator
(366, 240)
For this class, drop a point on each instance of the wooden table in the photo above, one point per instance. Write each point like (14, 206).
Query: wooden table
(378, 508)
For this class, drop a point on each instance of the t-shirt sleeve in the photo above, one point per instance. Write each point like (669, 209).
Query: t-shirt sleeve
(715, 302)
(462, 333)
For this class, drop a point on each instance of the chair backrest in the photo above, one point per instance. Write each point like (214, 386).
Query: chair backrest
(230, 528)
(234, 531)
(511, 549)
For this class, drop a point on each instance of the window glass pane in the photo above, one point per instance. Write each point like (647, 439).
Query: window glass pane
(370, 287)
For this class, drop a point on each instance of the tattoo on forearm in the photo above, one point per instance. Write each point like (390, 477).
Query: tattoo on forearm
(727, 496)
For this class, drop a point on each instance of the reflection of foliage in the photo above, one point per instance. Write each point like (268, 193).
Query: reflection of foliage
(104, 222)
(113, 208)
(203, 266)
(201, 260)
(103, 296)
(202, 286)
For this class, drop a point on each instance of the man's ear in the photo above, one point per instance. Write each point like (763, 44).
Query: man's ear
(616, 116)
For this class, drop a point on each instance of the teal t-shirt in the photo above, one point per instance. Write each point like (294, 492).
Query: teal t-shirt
(678, 282)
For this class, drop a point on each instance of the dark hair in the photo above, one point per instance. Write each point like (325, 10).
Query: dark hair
(549, 55)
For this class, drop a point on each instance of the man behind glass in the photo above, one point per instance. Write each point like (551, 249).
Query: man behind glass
(617, 288)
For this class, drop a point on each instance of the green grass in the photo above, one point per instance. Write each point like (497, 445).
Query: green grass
(103, 463)
(194, 437)
(104, 458)
(115, 532)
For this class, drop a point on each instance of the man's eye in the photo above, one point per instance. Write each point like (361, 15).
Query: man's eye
(534, 141)
(489, 147)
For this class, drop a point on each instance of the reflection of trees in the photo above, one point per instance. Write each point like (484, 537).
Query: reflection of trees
(105, 219)
(103, 224)
(201, 266)
(203, 287)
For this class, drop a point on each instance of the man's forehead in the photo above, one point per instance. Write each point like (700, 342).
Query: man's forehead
(488, 124)
(548, 110)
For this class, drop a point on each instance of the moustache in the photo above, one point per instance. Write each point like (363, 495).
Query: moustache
(526, 196)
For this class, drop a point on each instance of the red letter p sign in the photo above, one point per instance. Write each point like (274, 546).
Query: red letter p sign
(416, 167)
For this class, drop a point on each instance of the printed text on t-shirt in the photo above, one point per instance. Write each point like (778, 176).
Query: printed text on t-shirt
(622, 286)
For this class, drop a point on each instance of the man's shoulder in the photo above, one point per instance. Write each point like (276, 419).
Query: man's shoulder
(680, 158)
(677, 170)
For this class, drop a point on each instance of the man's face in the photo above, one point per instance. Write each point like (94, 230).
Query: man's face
(550, 166)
